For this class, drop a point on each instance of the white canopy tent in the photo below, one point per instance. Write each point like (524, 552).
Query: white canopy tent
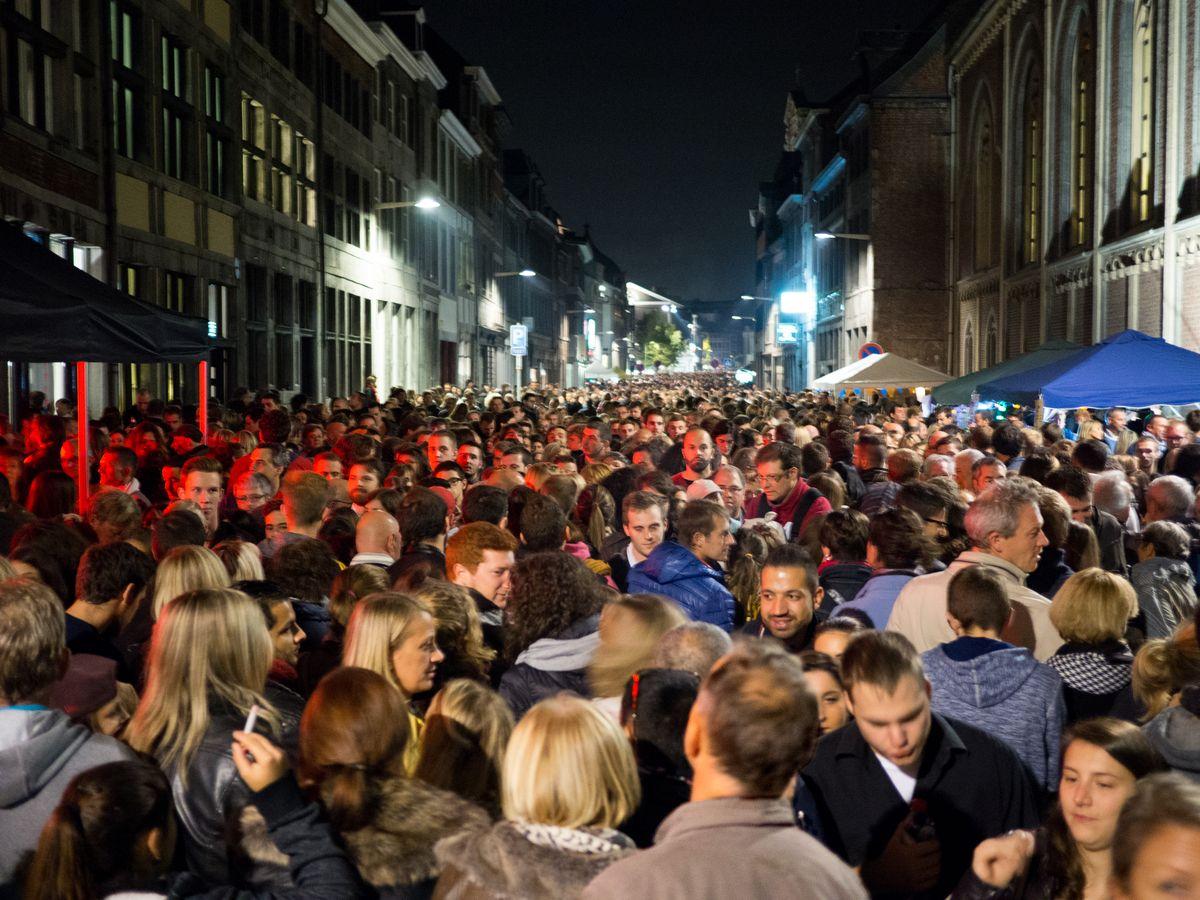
(881, 372)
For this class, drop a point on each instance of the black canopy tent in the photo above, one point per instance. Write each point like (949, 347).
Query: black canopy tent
(50, 311)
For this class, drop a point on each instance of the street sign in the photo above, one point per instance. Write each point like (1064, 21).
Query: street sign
(787, 333)
(870, 348)
(518, 339)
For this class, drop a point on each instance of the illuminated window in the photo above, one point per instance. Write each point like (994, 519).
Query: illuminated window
(1081, 149)
(1141, 153)
(175, 82)
(1032, 181)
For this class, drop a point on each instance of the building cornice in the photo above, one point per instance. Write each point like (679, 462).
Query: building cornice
(486, 89)
(347, 24)
(458, 133)
(826, 175)
(432, 72)
(397, 51)
(986, 28)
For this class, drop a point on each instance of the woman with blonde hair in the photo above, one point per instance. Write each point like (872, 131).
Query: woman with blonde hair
(241, 559)
(395, 635)
(209, 659)
(459, 632)
(630, 627)
(183, 569)
(559, 829)
(353, 741)
(1091, 611)
(467, 729)
(1163, 667)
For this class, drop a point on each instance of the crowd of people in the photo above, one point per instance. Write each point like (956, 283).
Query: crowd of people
(670, 638)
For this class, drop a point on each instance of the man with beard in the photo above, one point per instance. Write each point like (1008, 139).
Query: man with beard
(365, 479)
(699, 457)
(788, 597)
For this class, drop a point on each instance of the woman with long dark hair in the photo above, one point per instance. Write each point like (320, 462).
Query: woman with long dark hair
(553, 629)
(1102, 762)
(353, 741)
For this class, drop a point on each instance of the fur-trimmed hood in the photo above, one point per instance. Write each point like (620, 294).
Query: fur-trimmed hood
(501, 862)
(396, 848)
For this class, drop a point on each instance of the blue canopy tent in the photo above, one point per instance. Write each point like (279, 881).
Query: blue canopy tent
(958, 392)
(1127, 369)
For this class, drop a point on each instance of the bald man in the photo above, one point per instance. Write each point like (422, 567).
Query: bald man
(377, 539)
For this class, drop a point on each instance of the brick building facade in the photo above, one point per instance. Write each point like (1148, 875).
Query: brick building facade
(855, 218)
(1076, 175)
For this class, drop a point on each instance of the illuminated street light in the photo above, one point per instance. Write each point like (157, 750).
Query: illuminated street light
(425, 203)
(523, 273)
(830, 235)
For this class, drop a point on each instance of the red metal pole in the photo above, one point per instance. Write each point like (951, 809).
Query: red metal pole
(82, 436)
(202, 406)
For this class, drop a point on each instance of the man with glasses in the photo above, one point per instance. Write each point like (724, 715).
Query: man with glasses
(515, 458)
(252, 492)
(785, 492)
(1075, 486)
(733, 493)
(455, 479)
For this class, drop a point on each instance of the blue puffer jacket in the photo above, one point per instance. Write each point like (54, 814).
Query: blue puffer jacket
(674, 571)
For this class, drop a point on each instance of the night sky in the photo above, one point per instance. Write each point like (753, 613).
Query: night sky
(654, 121)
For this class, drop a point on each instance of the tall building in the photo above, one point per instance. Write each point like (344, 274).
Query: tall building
(1076, 175)
(259, 164)
(850, 230)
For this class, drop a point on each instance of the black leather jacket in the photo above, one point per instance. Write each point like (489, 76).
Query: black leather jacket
(211, 801)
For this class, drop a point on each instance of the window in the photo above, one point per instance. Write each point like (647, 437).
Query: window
(283, 183)
(1081, 161)
(306, 176)
(1032, 178)
(129, 279)
(218, 136)
(984, 190)
(280, 33)
(128, 86)
(254, 149)
(176, 107)
(1141, 146)
(180, 290)
(31, 65)
(252, 19)
(218, 310)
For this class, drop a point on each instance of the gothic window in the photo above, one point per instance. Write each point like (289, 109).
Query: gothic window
(990, 345)
(1031, 201)
(1081, 147)
(984, 173)
(969, 349)
(1141, 152)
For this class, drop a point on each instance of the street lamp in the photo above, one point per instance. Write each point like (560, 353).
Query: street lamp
(752, 297)
(742, 318)
(522, 273)
(849, 236)
(425, 203)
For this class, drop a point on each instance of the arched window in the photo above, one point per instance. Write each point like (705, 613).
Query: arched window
(969, 350)
(990, 345)
(1141, 120)
(984, 174)
(1031, 182)
(1081, 140)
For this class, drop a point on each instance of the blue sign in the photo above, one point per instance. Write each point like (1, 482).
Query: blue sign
(518, 339)
(787, 333)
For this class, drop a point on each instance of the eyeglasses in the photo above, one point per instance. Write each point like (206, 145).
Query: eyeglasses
(940, 523)
(453, 481)
(775, 479)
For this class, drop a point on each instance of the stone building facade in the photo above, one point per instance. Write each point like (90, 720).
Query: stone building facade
(255, 163)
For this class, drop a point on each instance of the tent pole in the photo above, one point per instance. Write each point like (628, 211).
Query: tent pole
(202, 405)
(82, 435)
(1037, 412)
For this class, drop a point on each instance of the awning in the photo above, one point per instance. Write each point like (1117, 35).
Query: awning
(881, 372)
(958, 392)
(51, 311)
(1127, 369)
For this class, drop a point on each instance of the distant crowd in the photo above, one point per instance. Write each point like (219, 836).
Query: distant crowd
(673, 637)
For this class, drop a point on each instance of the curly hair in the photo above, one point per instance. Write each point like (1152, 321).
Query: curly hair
(550, 591)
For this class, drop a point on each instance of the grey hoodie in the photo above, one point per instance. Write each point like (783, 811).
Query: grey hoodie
(1003, 690)
(41, 750)
(1175, 733)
